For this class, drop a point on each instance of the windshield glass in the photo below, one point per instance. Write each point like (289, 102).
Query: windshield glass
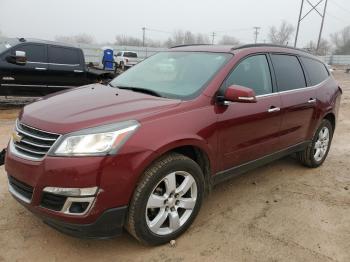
(173, 74)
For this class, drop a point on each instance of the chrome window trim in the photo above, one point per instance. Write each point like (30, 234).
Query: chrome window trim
(23, 85)
(44, 63)
(294, 90)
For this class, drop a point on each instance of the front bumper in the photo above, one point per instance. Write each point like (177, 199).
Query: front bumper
(114, 176)
(109, 224)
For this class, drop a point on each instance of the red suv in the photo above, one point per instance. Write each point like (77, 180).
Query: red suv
(142, 153)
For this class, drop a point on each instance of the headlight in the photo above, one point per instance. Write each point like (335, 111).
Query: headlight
(101, 140)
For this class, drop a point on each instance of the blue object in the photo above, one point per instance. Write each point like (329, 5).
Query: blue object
(108, 60)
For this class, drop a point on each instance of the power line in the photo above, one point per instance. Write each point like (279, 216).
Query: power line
(338, 18)
(233, 30)
(340, 6)
(313, 8)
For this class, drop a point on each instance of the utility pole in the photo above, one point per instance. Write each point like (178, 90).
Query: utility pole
(256, 33)
(213, 37)
(299, 20)
(143, 36)
(322, 23)
(313, 8)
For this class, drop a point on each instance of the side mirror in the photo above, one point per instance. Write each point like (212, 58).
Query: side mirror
(240, 94)
(19, 58)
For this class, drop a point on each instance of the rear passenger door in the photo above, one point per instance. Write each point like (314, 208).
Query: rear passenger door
(298, 100)
(66, 68)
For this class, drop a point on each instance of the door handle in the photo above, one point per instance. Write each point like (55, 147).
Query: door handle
(41, 68)
(312, 100)
(78, 71)
(273, 109)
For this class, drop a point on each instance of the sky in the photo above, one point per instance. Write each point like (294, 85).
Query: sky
(104, 19)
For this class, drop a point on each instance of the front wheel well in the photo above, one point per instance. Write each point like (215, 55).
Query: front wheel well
(331, 118)
(201, 158)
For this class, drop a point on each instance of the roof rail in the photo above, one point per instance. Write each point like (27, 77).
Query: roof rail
(187, 45)
(267, 45)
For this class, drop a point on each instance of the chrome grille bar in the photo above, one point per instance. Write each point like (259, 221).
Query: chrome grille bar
(34, 143)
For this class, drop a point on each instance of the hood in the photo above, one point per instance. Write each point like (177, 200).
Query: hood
(89, 106)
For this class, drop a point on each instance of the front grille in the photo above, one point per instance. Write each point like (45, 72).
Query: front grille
(34, 143)
(21, 188)
(52, 201)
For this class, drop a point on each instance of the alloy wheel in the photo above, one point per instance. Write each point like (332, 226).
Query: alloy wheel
(322, 143)
(171, 203)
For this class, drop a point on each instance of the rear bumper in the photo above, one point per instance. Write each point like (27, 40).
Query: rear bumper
(108, 225)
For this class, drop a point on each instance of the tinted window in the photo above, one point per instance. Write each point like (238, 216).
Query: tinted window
(289, 73)
(130, 54)
(34, 53)
(254, 73)
(316, 70)
(62, 55)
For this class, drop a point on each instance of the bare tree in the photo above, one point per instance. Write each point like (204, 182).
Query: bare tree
(178, 37)
(282, 34)
(323, 49)
(202, 39)
(189, 38)
(79, 39)
(341, 40)
(127, 40)
(229, 40)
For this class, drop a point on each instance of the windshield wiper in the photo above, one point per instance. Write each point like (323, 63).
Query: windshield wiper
(141, 90)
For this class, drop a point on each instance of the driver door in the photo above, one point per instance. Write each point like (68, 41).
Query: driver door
(249, 131)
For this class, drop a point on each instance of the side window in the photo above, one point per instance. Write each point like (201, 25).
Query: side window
(253, 72)
(316, 70)
(34, 52)
(119, 54)
(130, 54)
(289, 73)
(63, 55)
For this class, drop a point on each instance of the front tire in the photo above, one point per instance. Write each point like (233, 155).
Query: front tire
(316, 152)
(166, 200)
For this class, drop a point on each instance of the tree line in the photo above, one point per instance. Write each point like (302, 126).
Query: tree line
(338, 43)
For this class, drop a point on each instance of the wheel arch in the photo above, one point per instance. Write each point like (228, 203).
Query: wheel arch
(190, 148)
(330, 116)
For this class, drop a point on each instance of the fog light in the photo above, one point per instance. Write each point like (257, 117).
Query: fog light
(78, 207)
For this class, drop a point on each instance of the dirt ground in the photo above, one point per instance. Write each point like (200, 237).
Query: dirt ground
(280, 212)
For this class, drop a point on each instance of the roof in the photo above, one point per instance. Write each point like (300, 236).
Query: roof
(40, 41)
(237, 49)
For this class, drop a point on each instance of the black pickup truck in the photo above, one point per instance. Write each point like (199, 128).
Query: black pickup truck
(35, 68)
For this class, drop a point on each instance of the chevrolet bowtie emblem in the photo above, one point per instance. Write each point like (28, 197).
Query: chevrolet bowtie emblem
(16, 137)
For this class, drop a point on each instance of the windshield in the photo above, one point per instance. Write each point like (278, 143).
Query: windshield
(173, 74)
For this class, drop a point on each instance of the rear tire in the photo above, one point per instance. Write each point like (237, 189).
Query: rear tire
(316, 152)
(166, 200)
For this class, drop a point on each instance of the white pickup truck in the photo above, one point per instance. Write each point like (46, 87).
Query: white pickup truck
(126, 59)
